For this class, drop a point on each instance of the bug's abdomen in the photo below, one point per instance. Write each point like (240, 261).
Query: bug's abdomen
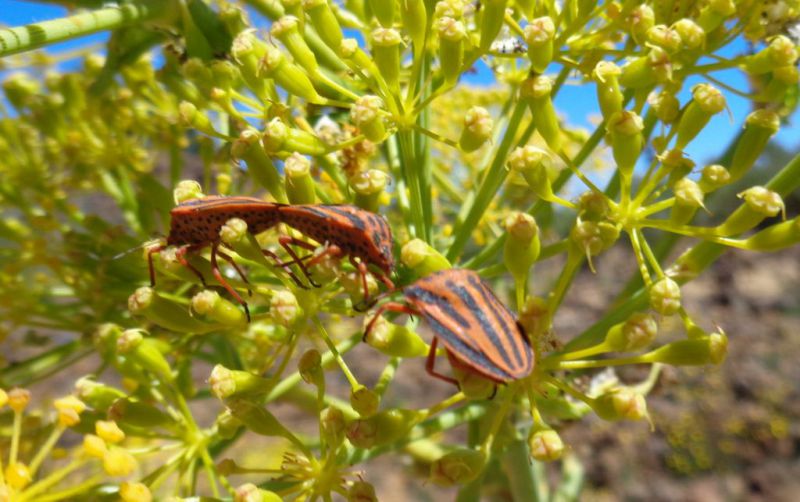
(199, 221)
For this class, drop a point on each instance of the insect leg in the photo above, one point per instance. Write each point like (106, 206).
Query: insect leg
(227, 258)
(364, 304)
(431, 360)
(224, 283)
(401, 308)
(150, 253)
(181, 257)
(286, 242)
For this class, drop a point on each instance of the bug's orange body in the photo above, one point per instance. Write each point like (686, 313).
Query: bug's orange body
(475, 328)
(198, 221)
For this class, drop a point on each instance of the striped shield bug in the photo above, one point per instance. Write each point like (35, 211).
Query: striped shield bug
(476, 329)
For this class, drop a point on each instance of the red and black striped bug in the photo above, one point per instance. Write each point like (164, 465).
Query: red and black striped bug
(344, 230)
(477, 330)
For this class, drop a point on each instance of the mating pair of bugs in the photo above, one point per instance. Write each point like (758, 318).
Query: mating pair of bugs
(478, 332)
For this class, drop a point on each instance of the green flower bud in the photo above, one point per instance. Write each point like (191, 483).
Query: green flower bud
(665, 297)
(452, 35)
(382, 428)
(247, 50)
(284, 309)
(609, 96)
(763, 201)
(535, 317)
(539, 35)
(361, 491)
(286, 29)
(646, 71)
(224, 73)
(691, 34)
(126, 411)
(213, 307)
(536, 92)
(324, 21)
(394, 340)
(625, 130)
(385, 44)
(593, 206)
(707, 102)
(147, 303)
(664, 37)
(423, 259)
(477, 129)
(642, 18)
(636, 333)
(594, 237)
(534, 164)
(492, 18)
(189, 116)
(145, 352)
(279, 137)
(415, 19)
(257, 419)
(300, 187)
(248, 147)
(545, 445)
(688, 198)
(472, 384)
(781, 51)
(353, 285)
(332, 425)
(233, 231)
(226, 383)
(368, 187)
(677, 163)
(384, 11)
(665, 105)
(620, 404)
(775, 237)
(97, 395)
(310, 368)
(449, 8)
(288, 75)
(366, 115)
(710, 349)
(364, 401)
(187, 190)
(714, 13)
(759, 127)
(458, 467)
(782, 81)
(522, 247)
(713, 177)
(357, 58)
(226, 425)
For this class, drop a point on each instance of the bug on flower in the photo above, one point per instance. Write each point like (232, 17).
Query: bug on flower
(477, 330)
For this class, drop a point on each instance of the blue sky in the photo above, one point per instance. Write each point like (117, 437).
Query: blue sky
(576, 102)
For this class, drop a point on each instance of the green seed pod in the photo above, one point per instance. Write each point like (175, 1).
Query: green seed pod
(300, 187)
(452, 35)
(620, 404)
(714, 13)
(369, 187)
(247, 51)
(477, 129)
(128, 411)
(286, 29)
(784, 80)
(96, 395)
(763, 201)
(646, 71)
(665, 105)
(665, 297)
(145, 352)
(384, 11)
(536, 92)
(710, 349)
(324, 21)
(609, 96)
(382, 428)
(227, 426)
(662, 36)
(213, 307)
(248, 147)
(473, 385)
(189, 116)
(593, 206)
(227, 383)
(780, 52)
(187, 190)
(415, 19)
(642, 18)
(534, 164)
(688, 199)
(677, 163)
(775, 237)
(279, 137)
(310, 368)
(288, 75)
(625, 130)
(257, 419)
(458, 467)
(759, 127)
(285, 309)
(636, 333)
(361, 491)
(332, 426)
(147, 303)
(385, 44)
(707, 102)
(691, 34)
(713, 177)
(593, 237)
(539, 35)
(366, 115)
(493, 14)
(353, 285)
(422, 259)
(545, 445)
(394, 340)
(449, 8)
(522, 247)
(364, 401)
(356, 58)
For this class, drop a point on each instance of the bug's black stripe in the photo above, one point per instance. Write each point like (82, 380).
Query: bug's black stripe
(354, 220)
(491, 301)
(316, 212)
(480, 315)
(468, 353)
(431, 298)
